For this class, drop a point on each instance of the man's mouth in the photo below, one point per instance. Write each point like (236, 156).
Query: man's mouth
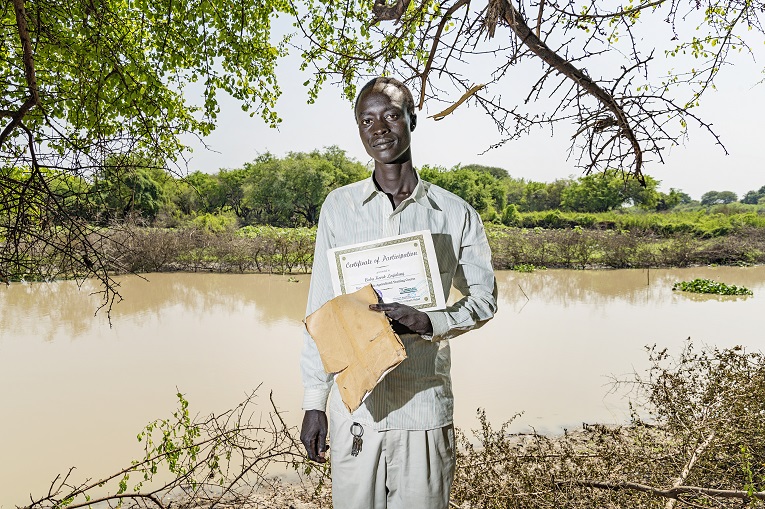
(382, 142)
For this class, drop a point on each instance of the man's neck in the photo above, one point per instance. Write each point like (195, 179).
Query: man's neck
(397, 181)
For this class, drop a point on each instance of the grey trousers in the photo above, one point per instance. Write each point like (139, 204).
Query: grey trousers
(396, 469)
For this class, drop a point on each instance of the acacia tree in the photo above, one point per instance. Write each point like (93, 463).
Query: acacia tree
(600, 69)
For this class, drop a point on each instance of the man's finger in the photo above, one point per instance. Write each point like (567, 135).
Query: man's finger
(383, 306)
(315, 453)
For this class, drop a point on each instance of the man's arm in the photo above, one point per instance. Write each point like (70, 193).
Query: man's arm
(316, 382)
(474, 278)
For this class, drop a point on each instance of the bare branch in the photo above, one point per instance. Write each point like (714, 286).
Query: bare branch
(514, 18)
(697, 452)
(618, 14)
(448, 111)
(671, 493)
(436, 40)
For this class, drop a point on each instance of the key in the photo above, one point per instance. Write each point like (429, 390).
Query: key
(357, 431)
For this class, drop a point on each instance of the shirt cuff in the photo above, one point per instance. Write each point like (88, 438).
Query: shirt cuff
(440, 324)
(315, 399)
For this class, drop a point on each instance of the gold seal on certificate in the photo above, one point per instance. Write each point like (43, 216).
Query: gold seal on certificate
(401, 269)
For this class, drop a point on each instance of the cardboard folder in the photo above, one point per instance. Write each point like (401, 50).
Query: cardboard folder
(356, 343)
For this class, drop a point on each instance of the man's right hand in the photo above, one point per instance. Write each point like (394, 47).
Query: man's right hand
(313, 434)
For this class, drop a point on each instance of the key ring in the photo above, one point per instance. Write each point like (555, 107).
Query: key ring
(357, 430)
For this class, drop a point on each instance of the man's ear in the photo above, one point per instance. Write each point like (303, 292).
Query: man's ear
(412, 121)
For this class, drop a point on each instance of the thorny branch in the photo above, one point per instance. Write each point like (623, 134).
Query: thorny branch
(220, 460)
(623, 113)
(516, 22)
(672, 493)
(695, 440)
(719, 395)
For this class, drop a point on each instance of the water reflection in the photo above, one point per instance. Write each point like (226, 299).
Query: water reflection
(68, 309)
(601, 288)
(73, 387)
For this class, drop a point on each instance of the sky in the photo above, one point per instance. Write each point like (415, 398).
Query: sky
(736, 110)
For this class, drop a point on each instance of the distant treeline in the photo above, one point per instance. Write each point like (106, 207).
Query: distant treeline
(262, 217)
(289, 191)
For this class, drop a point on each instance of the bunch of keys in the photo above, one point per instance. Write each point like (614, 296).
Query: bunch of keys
(357, 431)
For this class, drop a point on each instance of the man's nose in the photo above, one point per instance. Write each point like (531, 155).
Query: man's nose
(380, 127)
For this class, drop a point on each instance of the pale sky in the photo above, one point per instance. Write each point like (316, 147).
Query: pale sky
(736, 110)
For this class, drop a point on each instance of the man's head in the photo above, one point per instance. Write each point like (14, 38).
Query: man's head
(385, 117)
(389, 85)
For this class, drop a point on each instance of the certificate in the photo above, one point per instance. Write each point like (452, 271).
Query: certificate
(401, 269)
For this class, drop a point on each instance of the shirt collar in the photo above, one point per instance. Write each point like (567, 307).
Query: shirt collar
(420, 194)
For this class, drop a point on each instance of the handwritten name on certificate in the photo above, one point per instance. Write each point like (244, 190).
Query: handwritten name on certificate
(401, 269)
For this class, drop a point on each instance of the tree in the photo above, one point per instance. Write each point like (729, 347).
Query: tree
(514, 189)
(542, 196)
(594, 193)
(232, 193)
(497, 172)
(86, 80)
(602, 64)
(480, 189)
(753, 197)
(127, 187)
(197, 192)
(644, 196)
(718, 197)
(290, 191)
(667, 201)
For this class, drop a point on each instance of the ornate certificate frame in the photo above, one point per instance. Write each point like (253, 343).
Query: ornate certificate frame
(401, 269)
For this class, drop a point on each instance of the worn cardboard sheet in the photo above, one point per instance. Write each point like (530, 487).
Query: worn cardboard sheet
(356, 343)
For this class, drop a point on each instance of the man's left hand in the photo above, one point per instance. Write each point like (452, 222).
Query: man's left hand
(405, 319)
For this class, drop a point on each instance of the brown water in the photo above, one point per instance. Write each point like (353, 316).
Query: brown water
(75, 392)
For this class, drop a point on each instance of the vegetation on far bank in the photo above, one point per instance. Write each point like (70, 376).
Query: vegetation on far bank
(267, 249)
(262, 217)
(289, 191)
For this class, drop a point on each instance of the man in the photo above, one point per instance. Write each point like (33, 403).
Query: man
(406, 458)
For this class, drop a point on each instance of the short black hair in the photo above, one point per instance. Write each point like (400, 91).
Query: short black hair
(408, 98)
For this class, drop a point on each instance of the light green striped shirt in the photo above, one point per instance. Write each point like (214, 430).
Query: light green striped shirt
(417, 394)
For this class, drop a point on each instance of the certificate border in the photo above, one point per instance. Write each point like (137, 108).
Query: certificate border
(423, 249)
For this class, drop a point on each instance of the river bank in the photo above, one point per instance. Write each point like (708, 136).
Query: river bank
(290, 250)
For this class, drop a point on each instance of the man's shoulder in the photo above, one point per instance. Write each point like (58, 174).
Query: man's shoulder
(447, 198)
(350, 190)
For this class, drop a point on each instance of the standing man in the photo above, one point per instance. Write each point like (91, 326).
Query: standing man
(405, 425)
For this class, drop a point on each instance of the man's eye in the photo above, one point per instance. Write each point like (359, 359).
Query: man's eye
(393, 116)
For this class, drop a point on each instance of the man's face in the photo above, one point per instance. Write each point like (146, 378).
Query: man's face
(385, 126)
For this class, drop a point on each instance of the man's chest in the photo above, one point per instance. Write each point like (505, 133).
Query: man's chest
(374, 223)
